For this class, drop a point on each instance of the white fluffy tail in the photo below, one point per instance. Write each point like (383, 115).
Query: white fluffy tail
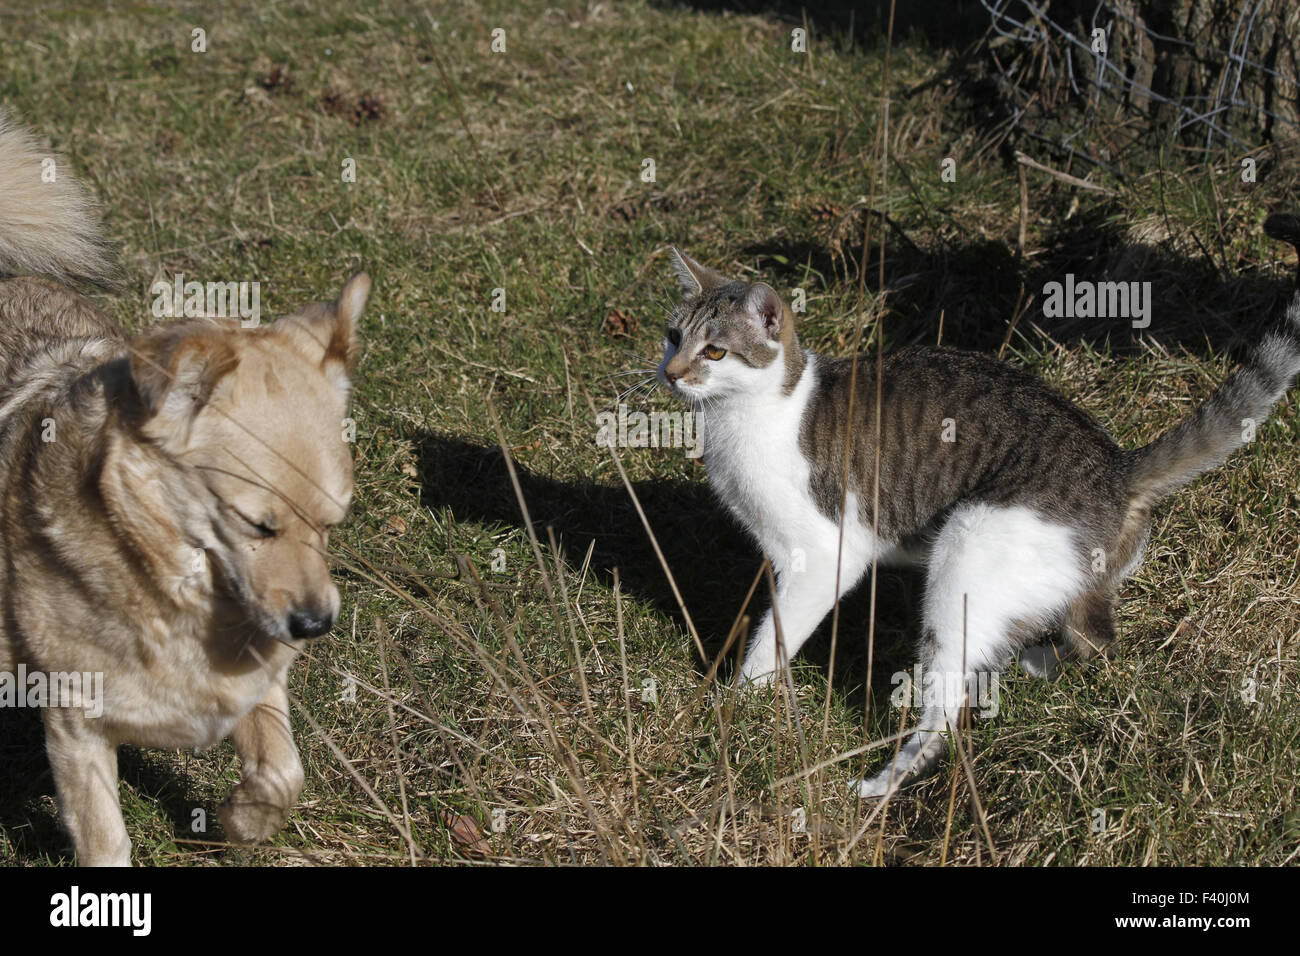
(48, 225)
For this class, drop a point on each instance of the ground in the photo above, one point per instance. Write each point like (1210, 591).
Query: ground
(488, 697)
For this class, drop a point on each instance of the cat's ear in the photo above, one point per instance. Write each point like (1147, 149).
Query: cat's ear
(765, 309)
(694, 277)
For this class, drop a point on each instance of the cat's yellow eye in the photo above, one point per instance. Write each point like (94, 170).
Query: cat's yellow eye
(712, 352)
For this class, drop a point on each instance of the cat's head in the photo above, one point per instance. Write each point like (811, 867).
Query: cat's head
(727, 338)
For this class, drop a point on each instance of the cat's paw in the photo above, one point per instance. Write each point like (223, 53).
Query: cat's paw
(877, 787)
(1043, 660)
(755, 680)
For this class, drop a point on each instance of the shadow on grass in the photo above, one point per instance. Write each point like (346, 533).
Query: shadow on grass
(864, 22)
(1198, 302)
(712, 559)
(27, 813)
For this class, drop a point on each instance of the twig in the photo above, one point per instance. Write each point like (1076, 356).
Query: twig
(1024, 160)
(1024, 209)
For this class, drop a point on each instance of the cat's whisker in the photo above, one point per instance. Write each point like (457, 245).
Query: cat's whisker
(643, 383)
(636, 356)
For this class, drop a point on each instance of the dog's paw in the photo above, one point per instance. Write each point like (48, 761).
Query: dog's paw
(105, 856)
(248, 817)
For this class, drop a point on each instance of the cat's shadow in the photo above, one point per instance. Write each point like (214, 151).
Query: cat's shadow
(712, 560)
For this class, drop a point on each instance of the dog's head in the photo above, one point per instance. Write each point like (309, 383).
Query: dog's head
(252, 427)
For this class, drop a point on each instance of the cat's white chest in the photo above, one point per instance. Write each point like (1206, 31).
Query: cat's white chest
(755, 465)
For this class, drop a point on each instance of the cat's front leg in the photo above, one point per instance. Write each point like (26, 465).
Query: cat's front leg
(761, 660)
(805, 594)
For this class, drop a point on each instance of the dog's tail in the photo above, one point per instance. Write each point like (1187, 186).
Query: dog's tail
(48, 225)
(1228, 418)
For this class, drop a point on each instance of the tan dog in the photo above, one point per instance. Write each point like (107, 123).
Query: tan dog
(165, 507)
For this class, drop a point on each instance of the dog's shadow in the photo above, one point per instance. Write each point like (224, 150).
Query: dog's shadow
(28, 813)
(712, 560)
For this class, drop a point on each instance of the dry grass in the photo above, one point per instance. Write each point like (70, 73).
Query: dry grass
(488, 671)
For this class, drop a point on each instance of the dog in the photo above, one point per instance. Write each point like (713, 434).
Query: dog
(166, 500)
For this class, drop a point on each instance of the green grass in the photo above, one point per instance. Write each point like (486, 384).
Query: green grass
(484, 691)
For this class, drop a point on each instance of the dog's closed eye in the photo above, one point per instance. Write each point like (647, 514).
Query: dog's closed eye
(265, 527)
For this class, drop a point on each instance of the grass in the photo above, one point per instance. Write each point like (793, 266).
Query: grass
(502, 698)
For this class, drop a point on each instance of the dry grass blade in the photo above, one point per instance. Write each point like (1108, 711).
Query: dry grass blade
(341, 757)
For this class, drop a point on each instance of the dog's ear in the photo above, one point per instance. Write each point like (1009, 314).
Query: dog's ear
(342, 346)
(332, 326)
(174, 369)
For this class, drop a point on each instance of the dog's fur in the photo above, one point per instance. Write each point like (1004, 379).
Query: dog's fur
(165, 505)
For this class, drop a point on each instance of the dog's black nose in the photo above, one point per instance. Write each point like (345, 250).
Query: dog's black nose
(310, 623)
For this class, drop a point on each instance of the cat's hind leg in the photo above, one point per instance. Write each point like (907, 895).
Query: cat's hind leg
(997, 577)
(1089, 624)
(1086, 631)
(1089, 627)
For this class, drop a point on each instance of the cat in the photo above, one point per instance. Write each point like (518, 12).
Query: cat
(1023, 511)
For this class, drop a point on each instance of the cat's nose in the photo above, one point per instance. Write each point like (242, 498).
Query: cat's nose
(672, 376)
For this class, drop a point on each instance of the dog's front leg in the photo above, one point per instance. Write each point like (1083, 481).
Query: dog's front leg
(273, 778)
(84, 762)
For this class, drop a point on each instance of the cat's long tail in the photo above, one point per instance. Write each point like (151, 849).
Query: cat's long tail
(48, 225)
(1228, 418)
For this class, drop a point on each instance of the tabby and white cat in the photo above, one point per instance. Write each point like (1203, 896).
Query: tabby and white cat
(1021, 508)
